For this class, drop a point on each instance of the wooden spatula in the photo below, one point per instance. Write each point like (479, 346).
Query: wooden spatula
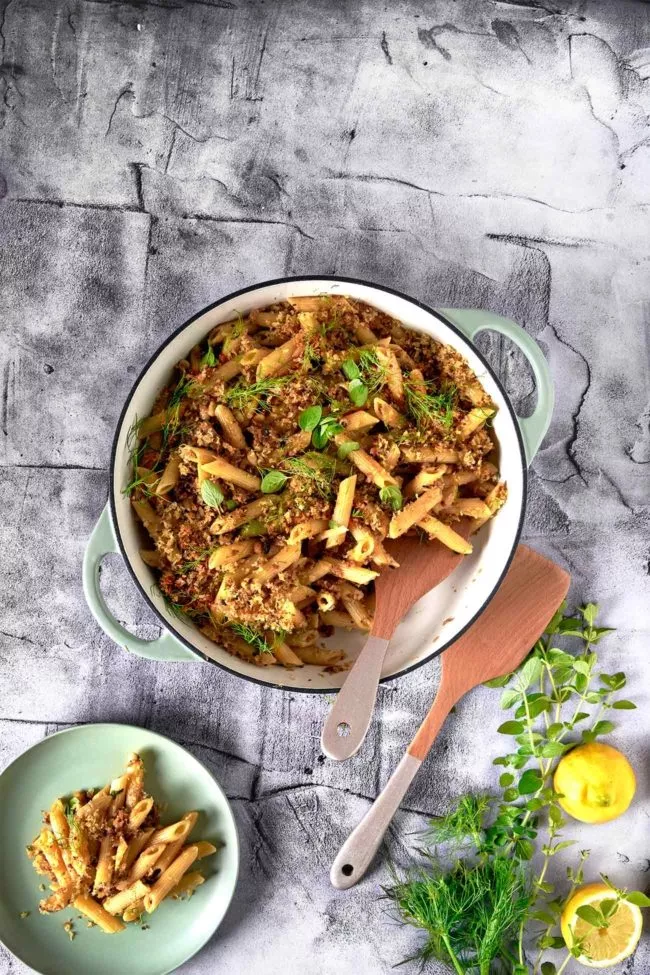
(422, 567)
(496, 644)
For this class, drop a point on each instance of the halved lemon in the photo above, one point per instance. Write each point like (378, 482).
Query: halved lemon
(602, 946)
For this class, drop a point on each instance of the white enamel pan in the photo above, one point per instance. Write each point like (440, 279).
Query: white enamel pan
(442, 615)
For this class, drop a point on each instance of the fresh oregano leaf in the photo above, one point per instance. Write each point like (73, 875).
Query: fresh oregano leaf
(358, 392)
(591, 915)
(350, 369)
(310, 418)
(391, 495)
(637, 898)
(212, 494)
(273, 481)
(510, 728)
(347, 448)
(530, 782)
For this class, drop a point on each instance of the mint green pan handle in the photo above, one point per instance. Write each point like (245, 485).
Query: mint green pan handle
(102, 542)
(472, 321)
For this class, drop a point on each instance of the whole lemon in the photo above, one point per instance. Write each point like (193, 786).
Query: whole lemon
(596, 782)
(602, 947)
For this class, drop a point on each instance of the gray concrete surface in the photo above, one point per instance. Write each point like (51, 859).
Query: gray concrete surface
(156, 154)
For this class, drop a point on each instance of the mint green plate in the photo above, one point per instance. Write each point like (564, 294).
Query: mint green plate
(89, 756)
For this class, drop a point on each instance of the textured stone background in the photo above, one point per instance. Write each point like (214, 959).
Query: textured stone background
(156, 155)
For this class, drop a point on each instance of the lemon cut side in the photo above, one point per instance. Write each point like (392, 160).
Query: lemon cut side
(603, 947)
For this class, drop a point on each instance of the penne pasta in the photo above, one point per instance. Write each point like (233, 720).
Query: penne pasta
(145, 862)
(105, 864)
(118, 903)
(286, 656)
(96, 913)
(359, 422)
(350, 571)
(232, 431)
(151, 521)
(414, 512)
(188, 884)
(170, 878)
(134, 849)
(446, 535)
(307, 529)
(134, 866)
(315, 429)
(241, 516)
(170, 476)
(171, 834)
(135, 783)
(369, 466)
(139, 813)
(474, 420)
(227, 555)
(278, 563)
(388, 415)
(319, 657)
(59, 823)
(342, 511)
(172, 849)
(234, 475)
(278, 361)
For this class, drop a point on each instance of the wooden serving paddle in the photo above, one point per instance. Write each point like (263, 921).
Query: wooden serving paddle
(422, 567)
(495, 645)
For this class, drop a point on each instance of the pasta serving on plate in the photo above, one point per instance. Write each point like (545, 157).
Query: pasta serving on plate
(290, 447)
(106, 854)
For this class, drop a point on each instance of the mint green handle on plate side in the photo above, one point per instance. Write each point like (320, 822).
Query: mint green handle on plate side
(102, 542)
(472, 321)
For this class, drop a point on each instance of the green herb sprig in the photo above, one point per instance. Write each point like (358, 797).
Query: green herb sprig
(391, 496)
(322, 428)
(250, 636)
(212, 494)
(430, 404)
(243, 394)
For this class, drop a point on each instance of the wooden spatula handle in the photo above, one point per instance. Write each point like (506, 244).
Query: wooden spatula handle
(355, 856)
(347, 723)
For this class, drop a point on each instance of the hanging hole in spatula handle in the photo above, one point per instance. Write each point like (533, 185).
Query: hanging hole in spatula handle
(347, 723)
(356, 854)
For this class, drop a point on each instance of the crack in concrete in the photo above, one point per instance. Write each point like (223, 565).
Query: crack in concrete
(618, 491)
(639, 452)
(52, 467)
(136, 168)
(375, 178)
(21, 639)
(126, 90)
(532, 5)
(138, 4)
(3, 38)
(575, 416)
(384, 46)
(207, 218)
(524, 241)
(118, 207)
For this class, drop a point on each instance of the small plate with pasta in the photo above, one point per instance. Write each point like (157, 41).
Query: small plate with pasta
(118, 852)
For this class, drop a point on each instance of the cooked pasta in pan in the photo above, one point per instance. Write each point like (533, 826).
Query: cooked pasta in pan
(105, 854)
(288, 450)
